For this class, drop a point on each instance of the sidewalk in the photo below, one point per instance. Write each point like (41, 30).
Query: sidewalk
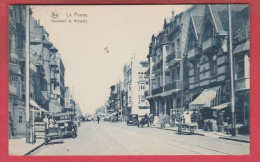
(221, 135)
(19, 147)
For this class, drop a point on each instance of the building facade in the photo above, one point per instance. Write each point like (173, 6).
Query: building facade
(189, 63)
(17, 70)
(135, 86)
(168, 68)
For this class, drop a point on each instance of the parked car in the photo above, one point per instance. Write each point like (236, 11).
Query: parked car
(66, 123)
(133, 120)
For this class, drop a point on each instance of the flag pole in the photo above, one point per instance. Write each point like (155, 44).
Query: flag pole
(231, 72)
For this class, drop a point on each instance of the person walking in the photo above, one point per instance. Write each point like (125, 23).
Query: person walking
(98, 119)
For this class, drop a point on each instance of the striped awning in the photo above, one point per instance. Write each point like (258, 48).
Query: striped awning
(221, 106)
(242, 47)
(35, 105)
(14, 68)
(207, 97)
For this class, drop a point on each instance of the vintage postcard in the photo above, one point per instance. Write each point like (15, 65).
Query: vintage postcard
(129, 79)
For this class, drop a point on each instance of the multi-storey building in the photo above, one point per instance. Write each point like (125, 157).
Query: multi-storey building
(209, 62)
(115, 99)
(189, 64)
(17, 70)
(60, 89)
(69, 100)
(168, 69)
(46, 59)
(135, 86)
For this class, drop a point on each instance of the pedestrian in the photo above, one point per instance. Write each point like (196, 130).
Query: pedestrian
(46, 121)
(98, 119)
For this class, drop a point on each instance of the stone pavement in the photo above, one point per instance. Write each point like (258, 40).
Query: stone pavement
(19, 147)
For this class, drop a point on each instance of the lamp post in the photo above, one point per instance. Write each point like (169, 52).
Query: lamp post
(27, 72)
(231, 72)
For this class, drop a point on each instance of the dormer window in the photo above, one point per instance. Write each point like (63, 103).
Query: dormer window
(209, 31)
(191, 42)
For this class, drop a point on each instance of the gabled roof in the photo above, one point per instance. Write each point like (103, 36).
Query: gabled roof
(197, 22)
(220, 15)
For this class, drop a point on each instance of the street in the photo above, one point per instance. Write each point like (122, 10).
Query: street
(119, 139)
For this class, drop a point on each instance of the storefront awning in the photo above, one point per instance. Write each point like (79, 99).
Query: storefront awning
(206, 97)
(35, 105)
(242, 47)
(221, 106)
(54, 106)
(14, 68)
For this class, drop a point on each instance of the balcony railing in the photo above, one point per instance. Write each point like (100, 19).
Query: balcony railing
(157, 65)
(53, 62)
(193, 52)
(209, 43)
(243, 33)
(174, 55)
(242, 84)
(173, 85)
(157, 90)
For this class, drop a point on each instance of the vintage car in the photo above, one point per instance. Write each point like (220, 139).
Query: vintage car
(52, 135)
(66, 123)
(133, 120)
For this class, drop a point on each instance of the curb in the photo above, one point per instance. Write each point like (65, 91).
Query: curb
(226, 138)
(28, 153)
(235, 139)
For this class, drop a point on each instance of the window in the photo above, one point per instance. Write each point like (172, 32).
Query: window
(213, 67)
(129, 86)
(167, 73)
(240, 70)
(142, 98)
(130, 99)
(191, 42)
(142, 86)
(178, 73)
(14, 78)
(196, 73)
(178, 44)
(20, 117)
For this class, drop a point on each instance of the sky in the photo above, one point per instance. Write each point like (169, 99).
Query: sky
(122, 30)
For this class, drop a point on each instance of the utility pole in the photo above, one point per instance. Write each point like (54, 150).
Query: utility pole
(27, 73)
(231, 72)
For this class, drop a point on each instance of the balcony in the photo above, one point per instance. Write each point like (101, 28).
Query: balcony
(209, 43)
(35, 38)
(243, 34)
(53, 78)
(173, 85)
(242, 84)
(157, 90)
(157, 65)
(12, 89)
(53, 62)
(174, 57)
(21, 53)
(193, 52)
